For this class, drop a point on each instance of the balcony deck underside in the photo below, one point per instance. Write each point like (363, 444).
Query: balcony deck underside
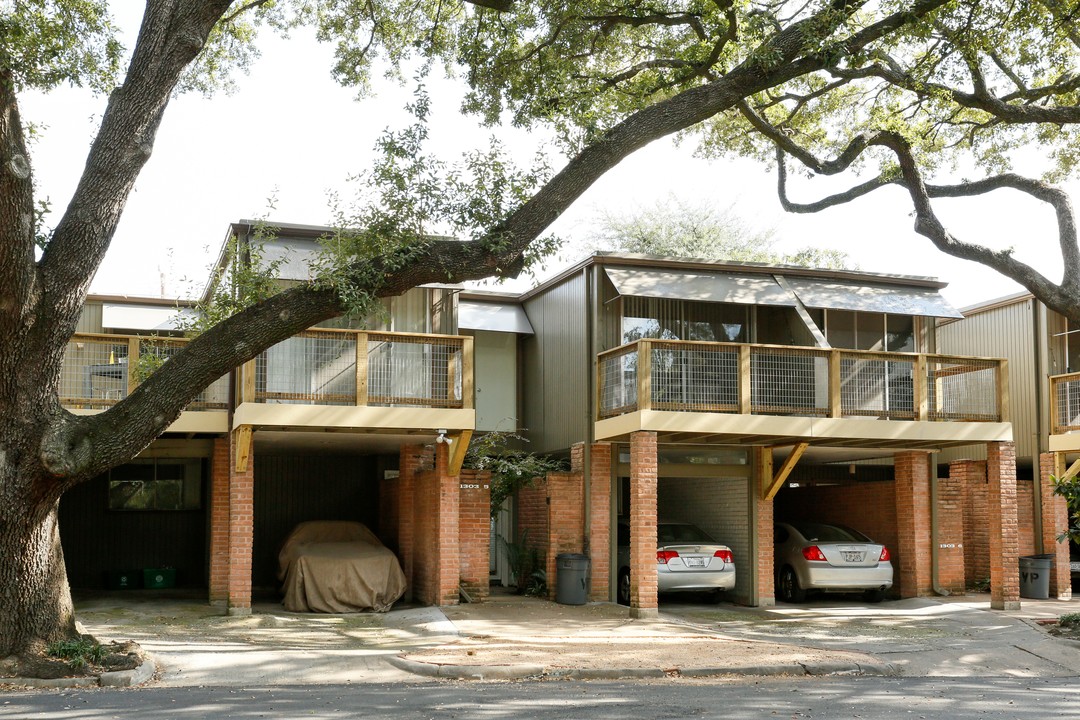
(1068, 442)
(190, 421)
(719, 428)
(403, 420)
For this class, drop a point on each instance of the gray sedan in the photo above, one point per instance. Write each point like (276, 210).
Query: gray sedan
(830, 558)
(687, 560)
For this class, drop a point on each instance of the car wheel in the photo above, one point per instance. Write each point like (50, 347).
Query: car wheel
(874, 595)
(790, 590)
(623, 591)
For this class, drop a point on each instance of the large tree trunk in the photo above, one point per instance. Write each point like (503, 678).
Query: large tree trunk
(33, 579)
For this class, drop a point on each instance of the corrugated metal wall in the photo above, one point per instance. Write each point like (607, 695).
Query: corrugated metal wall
(97, 540)
(555, 383)
(90, 319)
(1008, 332)
(291, 489)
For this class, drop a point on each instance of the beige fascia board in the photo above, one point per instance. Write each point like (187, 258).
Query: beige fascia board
(353, 418)
(190, 421)
(1069, 442)
(819, 430)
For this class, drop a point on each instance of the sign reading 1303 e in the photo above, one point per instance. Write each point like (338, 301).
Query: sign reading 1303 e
(474, 486)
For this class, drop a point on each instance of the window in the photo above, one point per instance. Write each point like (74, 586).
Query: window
(156, 484)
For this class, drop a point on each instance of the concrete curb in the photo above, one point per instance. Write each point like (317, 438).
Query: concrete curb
(117, 678)
(520, 672)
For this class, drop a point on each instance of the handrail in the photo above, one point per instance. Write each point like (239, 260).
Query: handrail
(766, 379)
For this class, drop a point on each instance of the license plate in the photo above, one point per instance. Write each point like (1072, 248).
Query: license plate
(850, 556)
(694, 561)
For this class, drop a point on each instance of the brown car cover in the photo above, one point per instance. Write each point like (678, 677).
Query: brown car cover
(338, 567)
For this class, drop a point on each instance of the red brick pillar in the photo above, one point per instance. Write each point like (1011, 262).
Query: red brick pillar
(971, 474)
(219, 522)
(951, 575)
(1004, 540)
(599, 530)
(410, 461)
(566, 520)
(241, 532)
(912, 561)
(436, 509)
(389, 513)
(763, 591)
(532, 529)
(474, 533)
(643, 600)
(1055, 521)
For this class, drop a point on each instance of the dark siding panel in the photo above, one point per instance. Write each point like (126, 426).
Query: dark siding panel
(293, 489)
(556, 382)
(96, 540)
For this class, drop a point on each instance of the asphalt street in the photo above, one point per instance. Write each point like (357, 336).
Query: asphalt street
(787, 699)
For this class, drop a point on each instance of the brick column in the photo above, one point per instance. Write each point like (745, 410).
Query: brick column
(599, 530)
(1055, 521)
(950, 536)
(436, 508)
(912, 561)
(219, 522)
(241, 532)
(643, 600)
(763, 591)
(410, 461)
(474, 533)
(1004, 540)
(566, 520)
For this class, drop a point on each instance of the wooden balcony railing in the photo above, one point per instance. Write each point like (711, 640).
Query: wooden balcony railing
(317, 367)
(747, 379)
(344, 367)
(1064, 403)
(100, 370)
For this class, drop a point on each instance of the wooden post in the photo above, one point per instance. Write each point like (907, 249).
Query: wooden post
(644, 401)
(835, 398)
(247, 381)
(919, 387)
(132, 362)
(468, 400)
(1003, 390)
(745, 400)
(361, 369)
(1055, 422)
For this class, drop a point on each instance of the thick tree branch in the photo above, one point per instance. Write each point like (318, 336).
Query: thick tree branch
(17, 275)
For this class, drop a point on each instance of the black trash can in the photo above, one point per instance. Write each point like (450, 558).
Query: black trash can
(571, 577)
(1035, 576)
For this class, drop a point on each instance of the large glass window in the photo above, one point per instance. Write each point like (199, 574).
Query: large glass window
(900, 333)
(870, 331)
(662, 319)
(156, 484)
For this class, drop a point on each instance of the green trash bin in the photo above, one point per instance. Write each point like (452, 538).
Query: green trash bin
(1035, 576)
(571, 577)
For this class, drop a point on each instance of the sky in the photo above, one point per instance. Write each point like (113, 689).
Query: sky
(290, 136)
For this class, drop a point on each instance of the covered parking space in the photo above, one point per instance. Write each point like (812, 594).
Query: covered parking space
(776, 446)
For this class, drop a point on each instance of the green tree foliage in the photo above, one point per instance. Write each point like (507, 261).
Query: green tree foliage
(676, 228)
(511, 468)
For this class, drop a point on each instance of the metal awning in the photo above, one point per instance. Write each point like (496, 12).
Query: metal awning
(142, 317)
(746, 289)
(871, 297)
(494, 316)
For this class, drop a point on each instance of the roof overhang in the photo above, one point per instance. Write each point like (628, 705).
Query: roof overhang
(493, 316)
(720, 287)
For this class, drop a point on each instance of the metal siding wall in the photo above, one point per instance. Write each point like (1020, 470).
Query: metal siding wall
(97, 541)
(556, 383)
(90, 318)
(1001, 332)
(291, 489)
(496, 366)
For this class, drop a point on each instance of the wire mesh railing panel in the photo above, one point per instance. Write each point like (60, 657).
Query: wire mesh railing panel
(94, 375)
(421, 371)
(618, 378)
(311, 368)
(962, 389)
(1067, 402)
(693, 377)
(154, 353)
(880, 386)
(789, 381)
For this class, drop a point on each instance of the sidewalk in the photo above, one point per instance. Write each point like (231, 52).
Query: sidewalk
(512, 636)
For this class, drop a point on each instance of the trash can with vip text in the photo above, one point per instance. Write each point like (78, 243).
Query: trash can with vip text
(571, 577)
(1035, 576)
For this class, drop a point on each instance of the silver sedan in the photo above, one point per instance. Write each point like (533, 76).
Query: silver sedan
(831, 558)
(687, 560)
